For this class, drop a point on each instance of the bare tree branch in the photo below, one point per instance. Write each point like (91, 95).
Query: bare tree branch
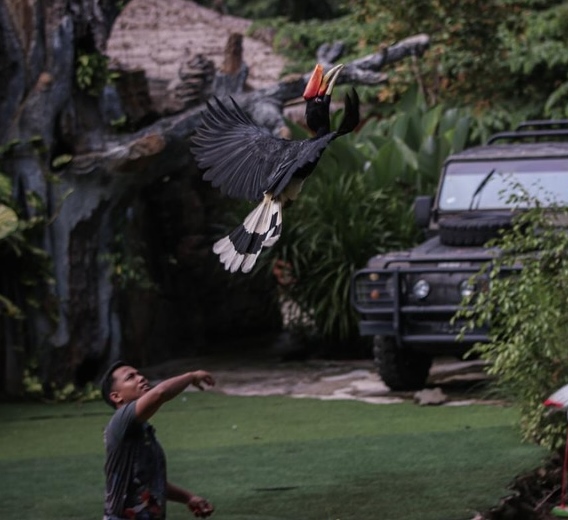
(264, 105)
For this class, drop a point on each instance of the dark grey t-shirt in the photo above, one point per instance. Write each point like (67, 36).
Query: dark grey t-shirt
(135, 468)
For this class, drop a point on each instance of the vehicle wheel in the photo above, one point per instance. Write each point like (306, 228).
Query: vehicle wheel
(473, 229)
(400, 369)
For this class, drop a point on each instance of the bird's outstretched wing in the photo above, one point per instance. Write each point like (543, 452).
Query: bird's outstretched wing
(243, 159)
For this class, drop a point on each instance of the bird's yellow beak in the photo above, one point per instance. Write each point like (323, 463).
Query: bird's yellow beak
(320, 85)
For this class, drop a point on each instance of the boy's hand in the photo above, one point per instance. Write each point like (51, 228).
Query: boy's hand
(200, 507)
(200, 377)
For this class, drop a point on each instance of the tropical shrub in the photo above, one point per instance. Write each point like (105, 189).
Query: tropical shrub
(528, 314)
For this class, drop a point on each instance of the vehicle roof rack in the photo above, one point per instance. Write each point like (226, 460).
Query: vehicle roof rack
(543, 124)
(523, 135)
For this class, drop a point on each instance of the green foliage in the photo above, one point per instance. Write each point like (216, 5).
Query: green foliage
(300, 41)
(487, 54)
(294, 10)
(8, 221)
(358, 203)
(127, 260)
(127, 256)
(528, 314)
(92, 72)
(30, 264)
(34, 389)
(506, 59)
(535, 46)
(119, 123)
(61, 160)
(463, 36)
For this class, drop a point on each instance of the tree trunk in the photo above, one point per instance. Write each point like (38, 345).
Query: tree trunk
(113, 183)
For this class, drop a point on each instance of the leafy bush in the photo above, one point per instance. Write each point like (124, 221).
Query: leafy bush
(528, 314)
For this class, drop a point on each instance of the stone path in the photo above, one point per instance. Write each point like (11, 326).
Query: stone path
(450, 382)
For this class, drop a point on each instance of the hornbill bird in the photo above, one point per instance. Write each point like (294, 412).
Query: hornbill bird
(246, 161)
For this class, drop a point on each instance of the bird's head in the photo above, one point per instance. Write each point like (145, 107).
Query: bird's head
(318, 97)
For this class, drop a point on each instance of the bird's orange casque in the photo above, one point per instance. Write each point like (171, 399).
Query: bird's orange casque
(318, 84)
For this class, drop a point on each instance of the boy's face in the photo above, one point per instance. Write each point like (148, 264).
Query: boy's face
(128, 385)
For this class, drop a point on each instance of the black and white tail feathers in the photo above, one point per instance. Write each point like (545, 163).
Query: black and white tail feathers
(261, 228)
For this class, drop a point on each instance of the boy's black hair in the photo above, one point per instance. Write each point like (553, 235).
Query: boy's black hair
(107, 381)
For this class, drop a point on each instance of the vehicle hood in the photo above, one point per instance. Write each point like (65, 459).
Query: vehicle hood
(433, 252)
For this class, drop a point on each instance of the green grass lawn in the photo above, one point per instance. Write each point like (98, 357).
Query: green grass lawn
(274, 458)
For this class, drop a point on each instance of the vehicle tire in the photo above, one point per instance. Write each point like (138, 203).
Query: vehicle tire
(399, 368)
(472, 229)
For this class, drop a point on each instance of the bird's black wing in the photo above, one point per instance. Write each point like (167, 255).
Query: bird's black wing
(243, 159)
(301, 159)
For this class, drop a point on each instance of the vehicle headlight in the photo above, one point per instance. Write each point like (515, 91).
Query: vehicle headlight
(466, 289)
(421, 289)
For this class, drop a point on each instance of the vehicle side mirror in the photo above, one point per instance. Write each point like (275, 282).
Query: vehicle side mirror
(422, 210)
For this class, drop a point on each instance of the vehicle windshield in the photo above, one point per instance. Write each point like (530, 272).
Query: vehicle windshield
(504, 184)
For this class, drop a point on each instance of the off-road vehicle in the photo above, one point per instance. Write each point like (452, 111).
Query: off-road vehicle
(406, 299)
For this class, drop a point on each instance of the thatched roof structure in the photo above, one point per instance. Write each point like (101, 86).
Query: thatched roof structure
(161, 37)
